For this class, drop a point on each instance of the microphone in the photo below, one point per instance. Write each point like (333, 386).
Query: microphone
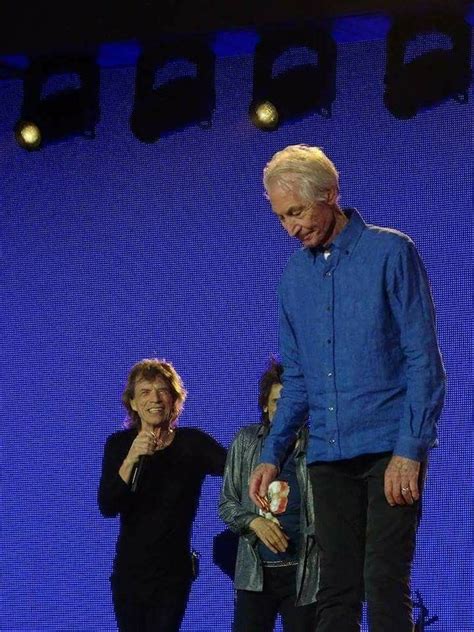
(137, 472)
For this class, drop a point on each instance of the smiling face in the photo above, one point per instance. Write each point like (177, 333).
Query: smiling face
(313, 224)
(153, 402)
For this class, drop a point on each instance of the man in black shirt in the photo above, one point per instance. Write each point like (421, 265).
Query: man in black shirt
(152, 474)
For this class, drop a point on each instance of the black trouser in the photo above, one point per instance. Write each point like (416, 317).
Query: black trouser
(257, 611)
(164, 615)
(366, 546)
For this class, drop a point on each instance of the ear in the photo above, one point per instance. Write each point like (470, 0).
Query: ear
(332, 196)
(265, 409)
(133, 406)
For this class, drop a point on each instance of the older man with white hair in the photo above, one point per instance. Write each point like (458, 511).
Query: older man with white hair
(360, 356)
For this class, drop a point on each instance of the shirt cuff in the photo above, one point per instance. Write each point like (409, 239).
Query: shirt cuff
(413, 448)
(267, 456)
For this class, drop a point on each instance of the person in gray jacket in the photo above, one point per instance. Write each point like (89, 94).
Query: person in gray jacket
(277, 559)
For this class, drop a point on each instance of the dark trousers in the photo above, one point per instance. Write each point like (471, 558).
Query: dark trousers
(164, 615)
(367, 547)
(257, 611)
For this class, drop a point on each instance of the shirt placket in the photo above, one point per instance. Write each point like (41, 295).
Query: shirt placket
(329, 369)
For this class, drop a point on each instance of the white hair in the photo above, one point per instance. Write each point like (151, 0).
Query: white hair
(302, 168)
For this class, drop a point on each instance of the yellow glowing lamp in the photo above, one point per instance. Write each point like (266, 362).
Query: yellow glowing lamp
(28, 135)
(265, 115)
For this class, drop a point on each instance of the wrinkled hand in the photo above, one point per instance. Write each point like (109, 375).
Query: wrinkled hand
(401, 481)
(261, 478)
(270, 534)
(144, 443)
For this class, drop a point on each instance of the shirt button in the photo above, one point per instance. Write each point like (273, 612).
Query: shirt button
(332, 441)
(329, 374)
(329, 341)
(331, 408)
(328, 273)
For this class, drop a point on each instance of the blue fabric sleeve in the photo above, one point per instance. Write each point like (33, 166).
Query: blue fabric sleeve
(412, 305)
(292, 409)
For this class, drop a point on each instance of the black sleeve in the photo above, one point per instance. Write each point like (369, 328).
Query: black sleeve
(213, 454)
(114, 495)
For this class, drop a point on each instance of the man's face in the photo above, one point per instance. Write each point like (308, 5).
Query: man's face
(153, 402)
(273, 398)
(312, 224)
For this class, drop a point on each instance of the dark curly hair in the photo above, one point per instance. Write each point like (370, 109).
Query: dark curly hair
(150, 369)
(271, 376)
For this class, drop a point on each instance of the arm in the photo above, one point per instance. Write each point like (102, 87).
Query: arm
(114, 495)
(214, 455)
(117, 466)
(413, 309)
(292, 408)
(425, 378)
(232, 511)
(143, 444)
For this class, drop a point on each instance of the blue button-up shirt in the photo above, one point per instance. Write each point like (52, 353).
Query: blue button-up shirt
(359, 349)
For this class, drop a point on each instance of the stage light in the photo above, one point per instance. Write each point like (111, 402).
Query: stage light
(432, 77)
(28, 135)
(297, 90)
(178, 102)
(264, 115)
(71, 111)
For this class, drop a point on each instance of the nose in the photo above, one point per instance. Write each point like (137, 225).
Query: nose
(156, 393)
(292, 227)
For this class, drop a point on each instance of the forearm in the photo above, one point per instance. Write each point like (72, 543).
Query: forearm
(126, 469)
(288, 420)
(232, 512)
(114, 493)
(233, 508)
(236, 518)
(424, 374)
(425, 379)
(293, 405)
(217, 459)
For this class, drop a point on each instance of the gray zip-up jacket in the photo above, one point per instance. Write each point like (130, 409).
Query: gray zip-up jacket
(237, 511)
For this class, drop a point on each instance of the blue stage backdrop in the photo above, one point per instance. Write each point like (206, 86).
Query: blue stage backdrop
(113, 250)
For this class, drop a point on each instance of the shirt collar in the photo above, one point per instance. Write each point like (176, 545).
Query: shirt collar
(351, 232)
(349, 235)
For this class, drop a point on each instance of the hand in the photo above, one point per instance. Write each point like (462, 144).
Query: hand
(261, 478)
(401, 481)
(143, 444)
(270, 534)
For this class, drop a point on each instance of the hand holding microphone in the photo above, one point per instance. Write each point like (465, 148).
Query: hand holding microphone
(143, 446)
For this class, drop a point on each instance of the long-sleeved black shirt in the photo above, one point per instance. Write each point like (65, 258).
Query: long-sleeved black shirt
(153, 546)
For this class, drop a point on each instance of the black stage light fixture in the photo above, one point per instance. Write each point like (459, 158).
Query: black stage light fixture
(71, 111)
(179, 102)
(432, 77)
(298, 90)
